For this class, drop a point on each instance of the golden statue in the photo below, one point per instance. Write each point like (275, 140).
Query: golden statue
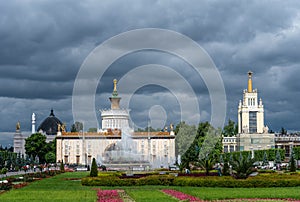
(115, 84)
(171, 127)
(63, 127)
(18, 126)
(58, 127)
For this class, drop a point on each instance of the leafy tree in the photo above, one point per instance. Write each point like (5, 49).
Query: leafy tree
(62, 166)
(278, 157)
(77, 127)
(242, 167)
(226, 169)
(50, 157)
(94, 169)
(148, 129)
(19, 160)
(292, 163)
(296, 151)
(92, 130)
(178, 126)
(3, 171)
(265, 159)
(36, 145)
(31, 159)
(283, 131)
(207, 142)
(231, 129)
(2, 161)
(184, 138)
(207, 164)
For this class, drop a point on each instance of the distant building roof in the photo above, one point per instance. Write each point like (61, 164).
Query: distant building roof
(50, 124)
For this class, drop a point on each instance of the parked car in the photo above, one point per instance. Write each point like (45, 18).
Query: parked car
(81, 168)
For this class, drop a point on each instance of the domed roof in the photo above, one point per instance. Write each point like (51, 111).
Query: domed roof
(50, 124)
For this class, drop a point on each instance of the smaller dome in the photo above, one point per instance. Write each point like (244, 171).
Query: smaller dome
(50, 124)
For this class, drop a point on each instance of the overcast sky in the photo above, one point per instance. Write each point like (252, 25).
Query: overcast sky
(44, 43)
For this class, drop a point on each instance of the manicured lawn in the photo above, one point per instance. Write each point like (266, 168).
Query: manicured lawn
(60, 189)
(53, 189)
(153, 193)
(229, 193)
(145, 193)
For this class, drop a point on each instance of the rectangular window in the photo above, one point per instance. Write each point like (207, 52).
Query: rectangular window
(252, 122)
(66, 159)
(225, 149)
(66, 149)
(77, 159)
(231, 148)
(89, 160)
(77, 149)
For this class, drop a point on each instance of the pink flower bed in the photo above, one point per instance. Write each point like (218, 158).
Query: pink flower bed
(185, 197)
(181, 196)
(108, 196)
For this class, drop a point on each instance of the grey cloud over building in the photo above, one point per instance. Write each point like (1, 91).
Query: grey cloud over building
(44, 43)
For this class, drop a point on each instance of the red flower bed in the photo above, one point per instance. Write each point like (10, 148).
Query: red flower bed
(185, 197)
(124, 176)
(198, 174)
(108, 196)
(20, 185)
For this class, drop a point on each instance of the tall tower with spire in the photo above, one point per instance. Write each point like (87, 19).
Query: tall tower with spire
(250, 110)
(252, 133)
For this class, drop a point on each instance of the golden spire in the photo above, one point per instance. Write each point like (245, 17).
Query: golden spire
(250, 82)
(115, 84)
(18, 126)
(115, 92)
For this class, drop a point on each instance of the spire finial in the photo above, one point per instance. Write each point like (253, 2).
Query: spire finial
(51, 114)
(115, 84)
(18, 126)
(250, 82)
(115, 92)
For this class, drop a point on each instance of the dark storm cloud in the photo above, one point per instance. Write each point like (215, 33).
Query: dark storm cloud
(44, 43)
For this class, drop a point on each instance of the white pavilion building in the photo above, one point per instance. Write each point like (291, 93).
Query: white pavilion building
(116, 144)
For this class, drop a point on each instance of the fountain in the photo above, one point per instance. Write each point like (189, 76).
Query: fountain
(123, 154)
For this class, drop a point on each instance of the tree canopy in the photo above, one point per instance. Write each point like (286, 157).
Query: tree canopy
(231, 129)
(36, 146)
(205, 143)
(77, 127)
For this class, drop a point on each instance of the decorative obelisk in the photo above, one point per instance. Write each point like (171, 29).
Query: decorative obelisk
(19, 140)
(33, 123)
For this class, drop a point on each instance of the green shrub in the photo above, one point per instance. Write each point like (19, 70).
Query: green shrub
(262, 180)
(62, 167)
(292, 163)
(156, 180)
(226, 169)
(94, 169)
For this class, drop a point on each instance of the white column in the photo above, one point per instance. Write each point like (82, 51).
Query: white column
(33, 123)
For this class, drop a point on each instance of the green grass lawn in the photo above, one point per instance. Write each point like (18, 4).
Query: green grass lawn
(60, 189)
(53, 189)
(229, 193)
(153, 193)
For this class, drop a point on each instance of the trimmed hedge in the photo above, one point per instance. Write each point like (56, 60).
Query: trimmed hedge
(263, 180)
(258, 154)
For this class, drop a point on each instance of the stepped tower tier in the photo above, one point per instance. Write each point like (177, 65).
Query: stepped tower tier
(250, 110)
(115, 117)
